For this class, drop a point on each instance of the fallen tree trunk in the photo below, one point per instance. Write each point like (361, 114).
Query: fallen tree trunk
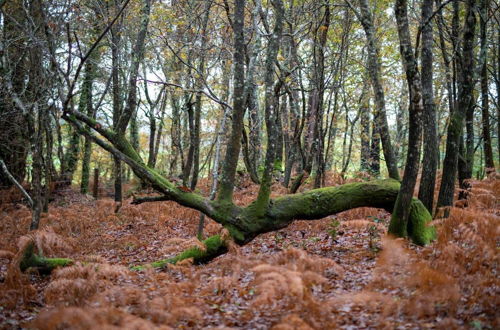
(246, 223)
(311, 205)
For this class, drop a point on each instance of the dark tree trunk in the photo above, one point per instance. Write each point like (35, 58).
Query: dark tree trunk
(197, 107)
(320, 46)
(117, 104)
(313, 142)
(154, 144)
(272, 109)
(399, 219)
(455, 126)
(14, 138)
(175, 132)
(375, 70)
(488, 150)
(375, 147)
(430, 160)
(365, 128)
(35, 94)
(234, 144)
(497, 83)
(87, 149)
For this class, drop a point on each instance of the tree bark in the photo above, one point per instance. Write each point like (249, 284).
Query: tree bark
(117, 103)
(455, 126)
(313, 143)
(430, 159)
(399, 218)
(375, 70)
(14, 138)
(375, 147)
(252, 145)
(198, 104)
(87, 149)
(234, 144)
(271, 110)
(488, 150)
(312, 205)
(365, 128)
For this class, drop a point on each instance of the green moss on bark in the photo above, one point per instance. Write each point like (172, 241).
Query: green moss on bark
(214, 246)
(42, 264)
(418, 224)
(417, 228)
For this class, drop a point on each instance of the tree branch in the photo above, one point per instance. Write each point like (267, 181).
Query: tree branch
(87, 54)
(14, 181)
(149, 199)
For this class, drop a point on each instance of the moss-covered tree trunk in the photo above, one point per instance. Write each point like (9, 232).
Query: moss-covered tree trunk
(263, 215)
(244, 224)
(44, 265)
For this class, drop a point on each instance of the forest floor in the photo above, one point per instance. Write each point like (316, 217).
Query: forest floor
(338, 272)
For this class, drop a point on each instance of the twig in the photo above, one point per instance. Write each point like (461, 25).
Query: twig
(87, 54)
(14, 181)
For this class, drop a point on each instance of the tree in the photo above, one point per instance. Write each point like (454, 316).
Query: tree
(401, 212)
(121, 118)
(14, 142)
(483, 60)
(264, 214)
(374, 70)
(455, 127)
(431, 147)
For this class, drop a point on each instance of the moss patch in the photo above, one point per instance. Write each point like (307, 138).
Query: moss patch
(214, 246)
(418, 229)
(43, 264)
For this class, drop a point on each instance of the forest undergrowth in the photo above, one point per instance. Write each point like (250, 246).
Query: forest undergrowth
(338, 272)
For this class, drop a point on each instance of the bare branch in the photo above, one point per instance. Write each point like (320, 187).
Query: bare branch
(148, 199)
(14, 181)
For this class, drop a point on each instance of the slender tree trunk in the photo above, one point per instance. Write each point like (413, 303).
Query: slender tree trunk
(272, 108)
(455, 126)
(156, 146)
(430, 160)
(400, 215)
(188, 164)
(253, 146)
(313, 144)
(374, 71)
(488, 150)
(87, 149)
(446, 60)
(14, 138)
(215, 169)
(295, 120)
(319, 50)
(36, 176)
(498, 92)
(134, 131)
(117, 104)
(175, 132)
(351, 140)
(365, 128)
(234, 144)
(198, 104)
(375, 147)
(35, 94)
